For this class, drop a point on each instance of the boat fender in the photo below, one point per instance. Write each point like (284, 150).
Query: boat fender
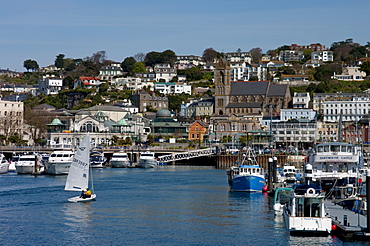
(333, 227)
(310, 191)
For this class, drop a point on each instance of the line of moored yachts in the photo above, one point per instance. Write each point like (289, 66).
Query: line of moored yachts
(59, 161)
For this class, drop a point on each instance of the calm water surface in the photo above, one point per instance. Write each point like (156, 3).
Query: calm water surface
(171, 205)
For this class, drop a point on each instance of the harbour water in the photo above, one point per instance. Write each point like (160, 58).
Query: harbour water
(170, 205)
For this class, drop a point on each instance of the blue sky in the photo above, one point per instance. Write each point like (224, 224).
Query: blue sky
(42, 29)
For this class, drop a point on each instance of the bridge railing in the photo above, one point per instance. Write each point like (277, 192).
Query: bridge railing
(186, 155)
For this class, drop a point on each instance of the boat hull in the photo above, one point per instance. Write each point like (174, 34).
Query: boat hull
(247, 183)
(58, 168)
(25, 169)
(96, 164)
(147, 163)
(119, 164)
(80, 199)
(4, 167)
(307, 225)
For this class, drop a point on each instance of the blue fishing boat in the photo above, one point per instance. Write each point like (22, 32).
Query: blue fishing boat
(247, 177)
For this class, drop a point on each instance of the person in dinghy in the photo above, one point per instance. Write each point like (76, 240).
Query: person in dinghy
(86, 194)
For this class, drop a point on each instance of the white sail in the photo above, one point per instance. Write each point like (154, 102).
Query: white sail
(78, 176)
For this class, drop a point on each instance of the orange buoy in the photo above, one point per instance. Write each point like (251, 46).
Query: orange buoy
(333, 227)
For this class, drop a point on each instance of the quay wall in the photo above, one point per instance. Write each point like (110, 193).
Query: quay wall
(226, 161)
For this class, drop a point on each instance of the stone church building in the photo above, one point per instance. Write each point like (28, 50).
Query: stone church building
(242, 104)
(247, 97)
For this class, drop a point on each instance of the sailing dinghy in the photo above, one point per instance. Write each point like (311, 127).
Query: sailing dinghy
(78, 175)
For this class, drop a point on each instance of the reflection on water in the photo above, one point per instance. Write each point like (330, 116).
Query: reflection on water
(78, 213)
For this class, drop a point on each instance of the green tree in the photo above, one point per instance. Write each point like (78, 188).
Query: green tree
(69, 64)
(68, 82)
(307, 54)
(153, 58)
(365, 67)
(59, 61)
(256, 54)
(168, 56)
(128, 64)
(138, 67)
(209, 55)
(325, 72)
(30, 65)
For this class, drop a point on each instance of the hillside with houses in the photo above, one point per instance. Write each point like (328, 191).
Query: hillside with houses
(291, 97)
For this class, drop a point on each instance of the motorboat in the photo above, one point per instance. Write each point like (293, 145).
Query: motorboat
(4, 164)
(305, 212)
(334, 164)
(147, 160)
(247, 177)
(289, 174)
(28, 164)
(13, 161)
(97, 159)
(281, 197)
(59, 162)
(120, 159)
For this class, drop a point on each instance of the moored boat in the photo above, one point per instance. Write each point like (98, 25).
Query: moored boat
(289, 174)
(334, 164)
(147, 160)
(4, 164)
(97, 159)
(120, 159)
(281, 198)
(13, 161)
(305, 212)
(59, 162)
(28, 164)
(248, 177)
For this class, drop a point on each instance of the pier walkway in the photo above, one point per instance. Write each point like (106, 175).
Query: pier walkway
(349, 225)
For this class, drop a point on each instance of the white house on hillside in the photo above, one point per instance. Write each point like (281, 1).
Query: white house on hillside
(350, 73)
(50, 85)
(172, 88)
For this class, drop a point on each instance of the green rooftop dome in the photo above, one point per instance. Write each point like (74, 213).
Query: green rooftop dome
(56, 122)
(163, 113)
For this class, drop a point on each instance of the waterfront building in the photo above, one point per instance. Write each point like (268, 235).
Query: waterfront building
(287, 114)
(11, 118)
(99, 124)
(198, 130)
(233, 126)
(163, 125)
(300, 133)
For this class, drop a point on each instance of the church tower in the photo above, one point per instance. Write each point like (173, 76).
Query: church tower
(222, 86)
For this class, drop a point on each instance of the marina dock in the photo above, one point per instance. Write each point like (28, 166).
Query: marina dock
(347, 224)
